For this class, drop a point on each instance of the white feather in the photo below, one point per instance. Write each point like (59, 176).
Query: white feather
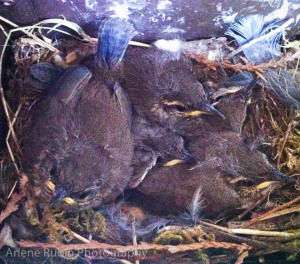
(196, 205)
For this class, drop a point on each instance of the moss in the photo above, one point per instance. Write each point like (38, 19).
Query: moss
(93, 222)
(167, 238)
(56, 227)
(88, 221)
(295, 243)
(183, 235)
(292, 257)
(202, 256)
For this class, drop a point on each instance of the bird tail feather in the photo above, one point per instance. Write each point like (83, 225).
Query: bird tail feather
(113, 40)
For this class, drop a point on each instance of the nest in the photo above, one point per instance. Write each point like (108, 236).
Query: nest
(272, 227)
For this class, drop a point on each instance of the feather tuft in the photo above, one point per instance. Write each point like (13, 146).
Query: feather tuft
(196, 205)
(252, 27)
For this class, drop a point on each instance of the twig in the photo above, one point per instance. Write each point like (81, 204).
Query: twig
(80, 238)
(254, 205)
(142, 247)
(266, 36)
(23, 29)
(241, 257)
(251, 232)
(283, 212)
(249, 66)
(287, 133)
(258, 218)
(4, 103)
(3, 30)
(12, 189)
(134, 240)
(12, 125)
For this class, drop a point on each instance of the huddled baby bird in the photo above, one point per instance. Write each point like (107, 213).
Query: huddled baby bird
(136, 118)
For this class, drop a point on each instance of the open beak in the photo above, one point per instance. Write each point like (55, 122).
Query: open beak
(210, 108)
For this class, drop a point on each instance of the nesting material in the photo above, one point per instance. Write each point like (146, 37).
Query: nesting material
(262, 120)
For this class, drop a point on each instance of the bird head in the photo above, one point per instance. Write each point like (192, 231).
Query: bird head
(168, 84)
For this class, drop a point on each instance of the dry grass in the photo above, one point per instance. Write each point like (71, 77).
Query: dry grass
(267, 117)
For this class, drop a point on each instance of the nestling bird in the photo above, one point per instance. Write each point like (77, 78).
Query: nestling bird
(207, 139)
(223, 158)
(162, 90)
(78, 147)
(235, 157)
(173, 189)
(42, 77)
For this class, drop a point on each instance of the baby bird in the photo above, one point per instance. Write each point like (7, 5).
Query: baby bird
(78, 148)
(223, 158)
(235, 157)
(180, 188)
(162, 90)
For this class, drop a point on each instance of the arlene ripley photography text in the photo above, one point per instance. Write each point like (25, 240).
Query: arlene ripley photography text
(71, 254)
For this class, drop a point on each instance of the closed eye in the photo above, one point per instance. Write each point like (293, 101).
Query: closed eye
(179, 106)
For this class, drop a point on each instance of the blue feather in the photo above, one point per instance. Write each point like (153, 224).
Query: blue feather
(280, 83)
(113, 40)
(252, 27)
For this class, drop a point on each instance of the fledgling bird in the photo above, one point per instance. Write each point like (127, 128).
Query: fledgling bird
(223, 159)
(235, 157)
(162, 90)
(208, 139)
(78, 148)
(180, 188)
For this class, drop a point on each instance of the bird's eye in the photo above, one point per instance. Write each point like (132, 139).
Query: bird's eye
(82, 196)
(180, 108)
(53, 171)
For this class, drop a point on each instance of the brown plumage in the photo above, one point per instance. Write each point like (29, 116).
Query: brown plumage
(171, 189)
(223, 157)
(79, 138)
(163, 91)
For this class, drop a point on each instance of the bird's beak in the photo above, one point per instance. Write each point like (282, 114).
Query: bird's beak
(194, 113)
(50, 185)
(211, 109)
(69, 200)
(188, 158)
(282, 177)
(174, 162)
